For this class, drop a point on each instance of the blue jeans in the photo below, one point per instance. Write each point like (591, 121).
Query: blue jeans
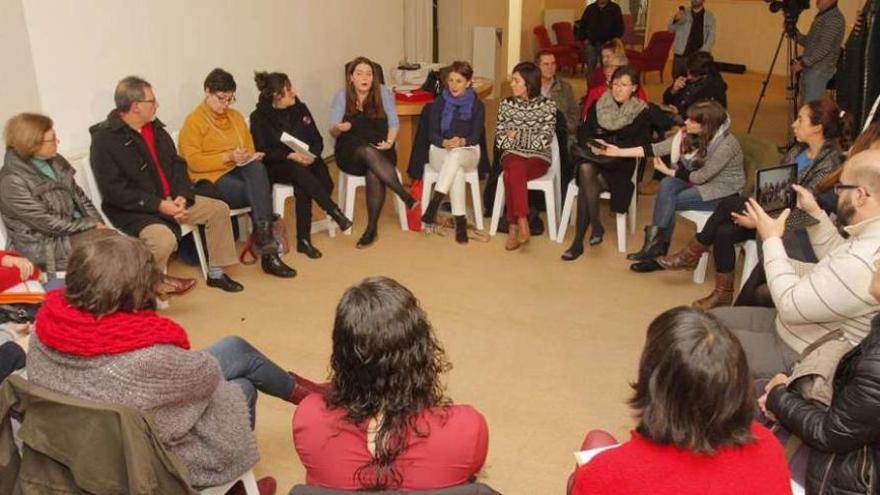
(813, 84)
(248, 185)
(677, 195)
(248, 368)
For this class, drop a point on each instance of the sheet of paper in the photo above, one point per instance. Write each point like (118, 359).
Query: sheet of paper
(296, 145)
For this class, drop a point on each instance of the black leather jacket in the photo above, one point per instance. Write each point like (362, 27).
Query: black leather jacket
(844, 437)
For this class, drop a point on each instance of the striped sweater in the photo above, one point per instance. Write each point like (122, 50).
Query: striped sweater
(815, 299)
(534, 122)
(822, 42)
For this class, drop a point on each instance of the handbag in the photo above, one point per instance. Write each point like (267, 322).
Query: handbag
(251, 253)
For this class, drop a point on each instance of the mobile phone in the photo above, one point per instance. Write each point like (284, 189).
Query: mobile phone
(596, 144)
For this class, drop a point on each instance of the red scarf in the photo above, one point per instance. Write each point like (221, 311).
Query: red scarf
(69, 330)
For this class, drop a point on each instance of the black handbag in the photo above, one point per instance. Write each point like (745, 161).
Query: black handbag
(581, 154)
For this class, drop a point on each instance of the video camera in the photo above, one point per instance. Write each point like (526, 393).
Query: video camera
(791, 9)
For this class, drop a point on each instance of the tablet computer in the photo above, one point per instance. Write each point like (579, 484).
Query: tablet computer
(773, 187)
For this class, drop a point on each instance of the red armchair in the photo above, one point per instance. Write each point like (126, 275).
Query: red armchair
(655, 54)
(566, 55)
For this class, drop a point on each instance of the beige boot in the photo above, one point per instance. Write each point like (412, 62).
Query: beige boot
(512, 238)
(722, 295)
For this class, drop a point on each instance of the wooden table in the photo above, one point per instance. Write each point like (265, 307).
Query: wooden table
(409, 113)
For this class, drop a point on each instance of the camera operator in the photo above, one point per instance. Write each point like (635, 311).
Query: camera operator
(821, 49)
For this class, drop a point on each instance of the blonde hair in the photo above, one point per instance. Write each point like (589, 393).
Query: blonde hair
(24, 133)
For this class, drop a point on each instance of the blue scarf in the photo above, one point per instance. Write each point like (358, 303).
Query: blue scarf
(464, 104)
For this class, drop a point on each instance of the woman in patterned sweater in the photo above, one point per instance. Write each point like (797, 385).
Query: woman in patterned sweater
(524, 132)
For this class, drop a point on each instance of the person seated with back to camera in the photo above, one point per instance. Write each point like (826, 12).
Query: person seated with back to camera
(456, 125)
(100, 340)
(695, 407)
(218, 148)
(385, 422)
(280, 110)
(618, 117)
(42, 206)
(363, 119)
(817, 153)
(524, 131)
(708, 166)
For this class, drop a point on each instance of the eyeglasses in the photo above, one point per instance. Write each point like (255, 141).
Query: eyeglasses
(620, 84)
(226, 100)
(52, 140)
(843, 187)
(147, 101)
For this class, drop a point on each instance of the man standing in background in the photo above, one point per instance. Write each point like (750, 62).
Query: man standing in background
(694, 31)
(600, 22)
(821, 48)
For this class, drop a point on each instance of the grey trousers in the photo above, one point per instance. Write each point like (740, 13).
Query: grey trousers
(755, 328)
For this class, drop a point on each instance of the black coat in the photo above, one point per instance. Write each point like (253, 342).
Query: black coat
(843, 437)
(711, 87)
(598, 25)
(127, 178)
(267, 124)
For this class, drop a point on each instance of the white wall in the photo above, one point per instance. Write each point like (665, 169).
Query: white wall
(174, 45)
(19, 84)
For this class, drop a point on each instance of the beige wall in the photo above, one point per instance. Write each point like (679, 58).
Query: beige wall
(456, 21)
(532, 15)
(20, 92)
(747, 33)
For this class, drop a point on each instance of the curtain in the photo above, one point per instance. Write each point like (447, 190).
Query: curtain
(418, 30)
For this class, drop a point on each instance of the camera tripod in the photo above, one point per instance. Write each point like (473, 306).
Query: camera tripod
(793, 78)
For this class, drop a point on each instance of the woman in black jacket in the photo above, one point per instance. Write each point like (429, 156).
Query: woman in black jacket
(279, 111)
(703, 82)
(843, 437)
(617, 117)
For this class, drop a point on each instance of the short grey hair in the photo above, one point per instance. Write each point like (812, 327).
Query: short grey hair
(128, 91)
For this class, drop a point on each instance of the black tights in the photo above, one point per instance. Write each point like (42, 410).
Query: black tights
(589, 188)
(380, 173)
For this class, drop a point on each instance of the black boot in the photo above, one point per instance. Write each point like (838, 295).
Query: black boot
(306, 247)
(341, 220)
(461, 236)
(367, 239)
(430, 216)
(574, 251)
(653, 235)
(273, 265)
(265, 244)
(650, 264)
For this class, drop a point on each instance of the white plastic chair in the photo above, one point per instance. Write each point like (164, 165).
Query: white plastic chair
(472, 178)
(749, 248)
(347, 191)
(280, 193)
(250, 485)
(549, 183)
(622, 218)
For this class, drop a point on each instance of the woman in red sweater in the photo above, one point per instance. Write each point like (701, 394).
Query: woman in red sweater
(386, 422)
(695, 406)
(15, 269)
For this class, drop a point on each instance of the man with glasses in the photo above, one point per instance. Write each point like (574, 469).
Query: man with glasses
(145, 188)
(219, 151)
(822, 309)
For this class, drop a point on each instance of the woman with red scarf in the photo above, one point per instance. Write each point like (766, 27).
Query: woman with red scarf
(100, 340)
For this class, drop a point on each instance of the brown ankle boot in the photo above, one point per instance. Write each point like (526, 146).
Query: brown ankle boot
(721, 296)
(512, 238)
(524, 231)
(686, 258)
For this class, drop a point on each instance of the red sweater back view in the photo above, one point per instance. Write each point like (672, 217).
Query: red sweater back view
(641, 466)
(332, 449)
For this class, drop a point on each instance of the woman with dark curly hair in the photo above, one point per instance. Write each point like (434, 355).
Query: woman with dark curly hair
(386, 422)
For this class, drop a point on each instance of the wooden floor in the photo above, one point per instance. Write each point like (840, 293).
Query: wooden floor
(545, 349)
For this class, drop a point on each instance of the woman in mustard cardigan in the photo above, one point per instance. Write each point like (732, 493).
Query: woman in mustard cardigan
(218, 147)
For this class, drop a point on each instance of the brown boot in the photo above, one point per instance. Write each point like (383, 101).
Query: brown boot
(721, 296)
(686, 258)
(649, 188)
(525, 232)
(512, 238)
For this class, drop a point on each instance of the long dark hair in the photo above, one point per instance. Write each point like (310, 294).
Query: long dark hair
(711, 116)
(372, 105)
(694, 389)
(386, 364)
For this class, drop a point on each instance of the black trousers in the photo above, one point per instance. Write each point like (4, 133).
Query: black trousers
(723, 235)
(309, 183)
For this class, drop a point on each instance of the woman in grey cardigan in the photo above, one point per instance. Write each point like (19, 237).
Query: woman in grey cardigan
(707, 167)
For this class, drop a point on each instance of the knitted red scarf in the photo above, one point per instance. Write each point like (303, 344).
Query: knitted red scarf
(69, 330)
